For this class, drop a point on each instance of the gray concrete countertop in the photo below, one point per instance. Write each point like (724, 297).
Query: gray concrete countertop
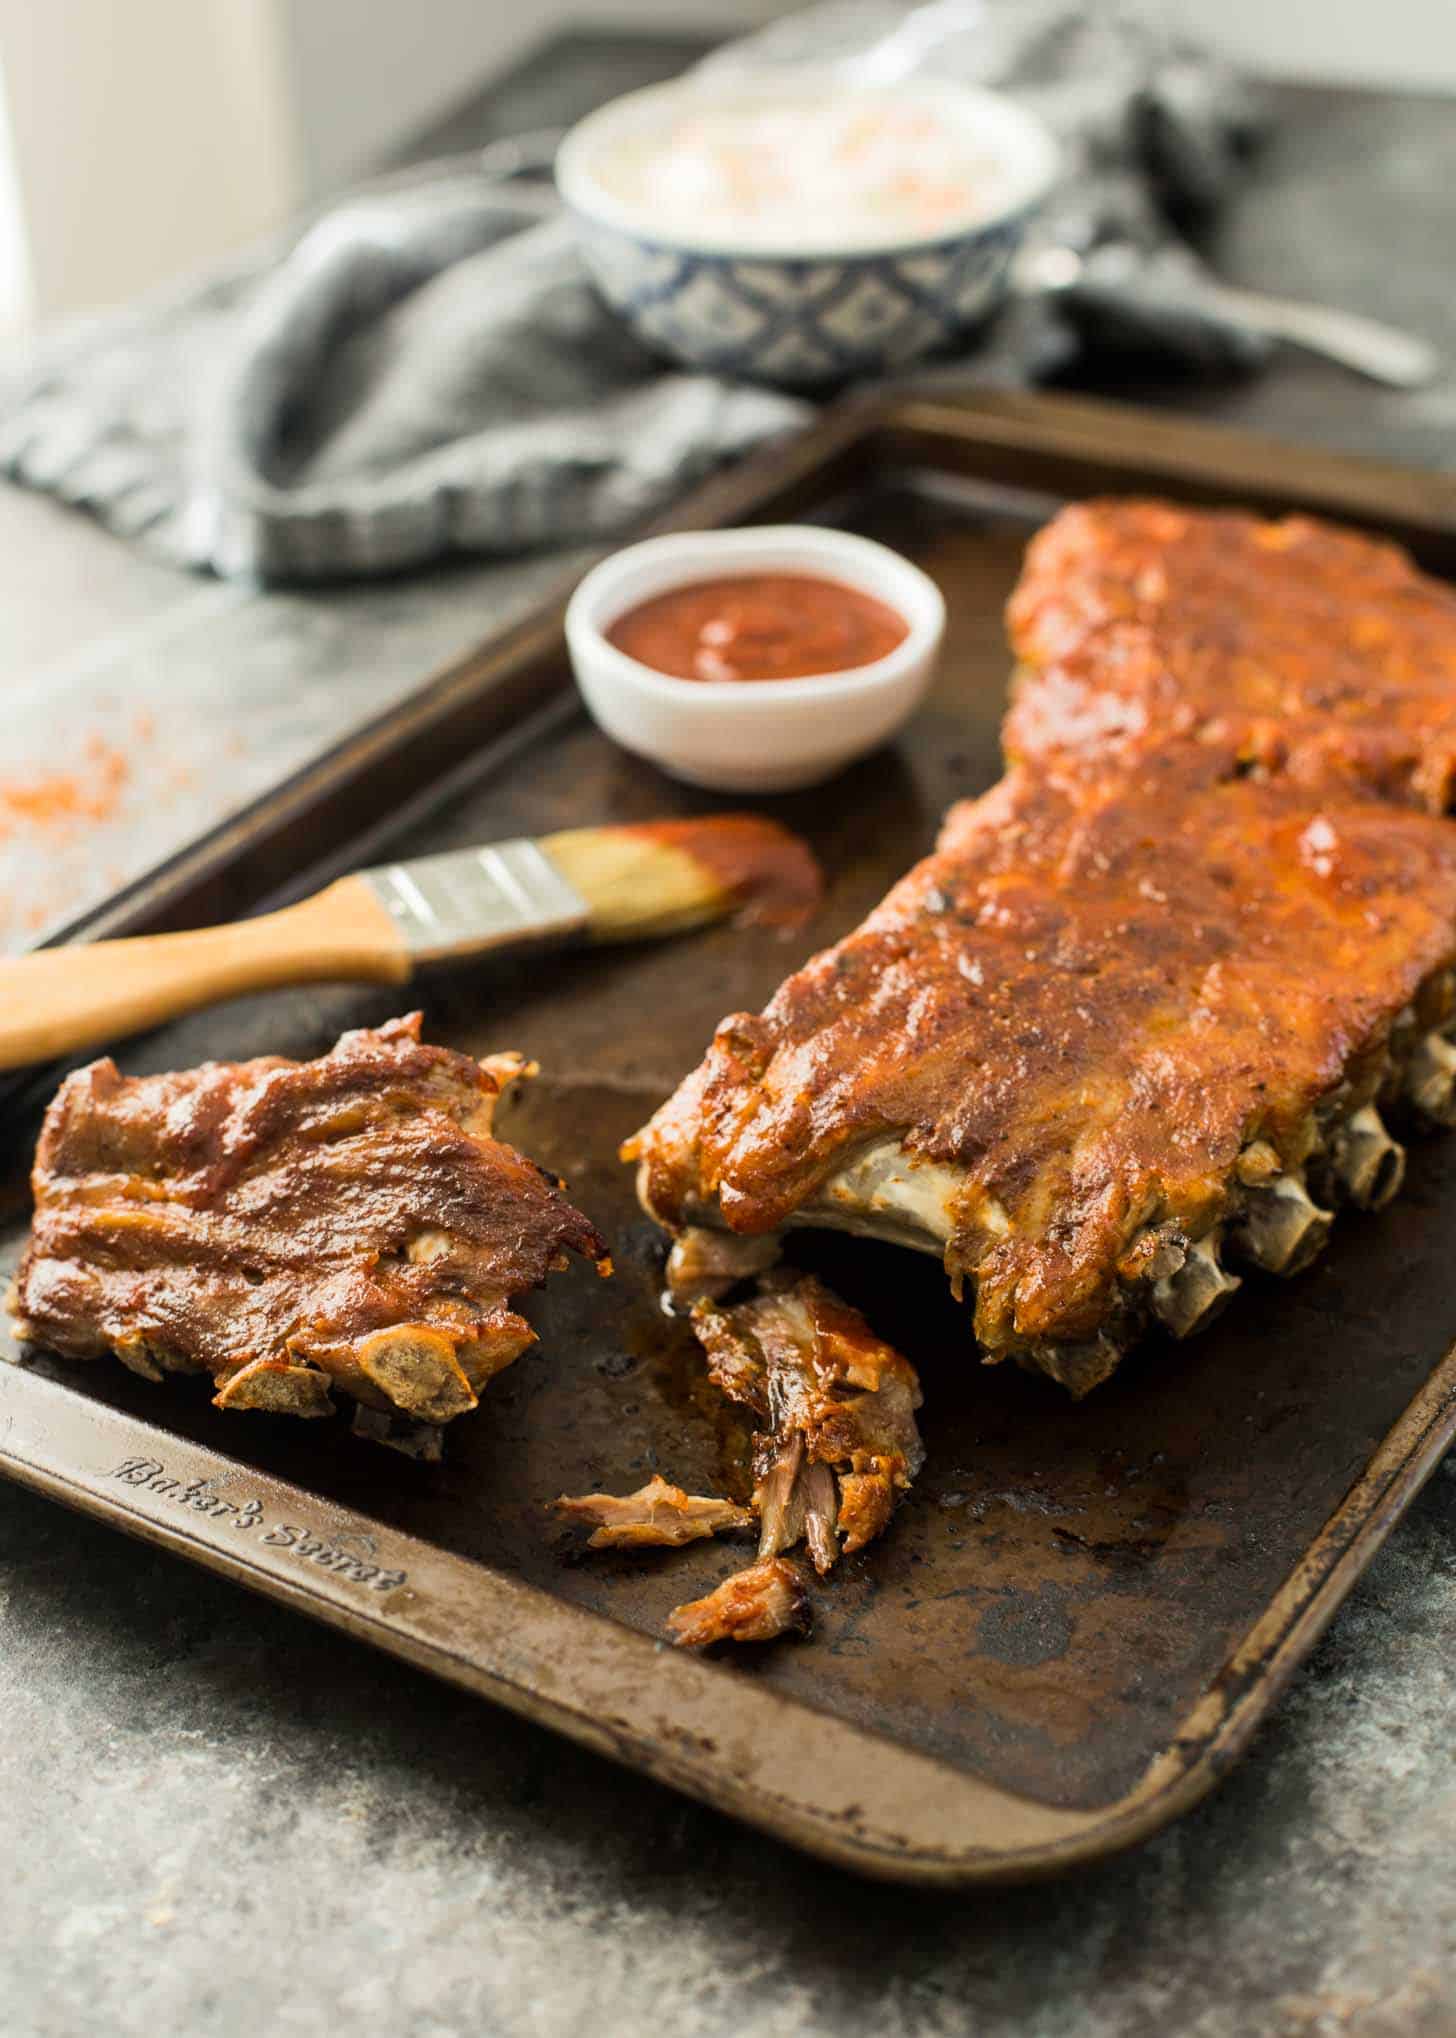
(221, 1818)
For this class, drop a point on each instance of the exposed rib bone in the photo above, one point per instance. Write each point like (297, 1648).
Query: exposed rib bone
(888, 1193)
(151, 1360)
(1078, 1367)
(1430, 1078)
(1368, 1163)
(136, 1355)
(1189, 1299)
(1281, 1228)
(415, 1366)
(278, 1388)
(703, 1265)
(1258, 1164)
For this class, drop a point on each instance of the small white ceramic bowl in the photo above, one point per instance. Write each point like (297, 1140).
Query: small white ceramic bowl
(767, 736)
(812, 307)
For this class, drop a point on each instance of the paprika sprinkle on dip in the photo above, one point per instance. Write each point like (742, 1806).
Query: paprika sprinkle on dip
(753, 627)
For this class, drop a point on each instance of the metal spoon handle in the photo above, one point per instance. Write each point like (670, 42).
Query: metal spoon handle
(1364, 344)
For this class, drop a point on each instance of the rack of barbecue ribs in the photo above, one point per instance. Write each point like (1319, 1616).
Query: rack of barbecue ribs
(1138, 1022)
(297, 1228)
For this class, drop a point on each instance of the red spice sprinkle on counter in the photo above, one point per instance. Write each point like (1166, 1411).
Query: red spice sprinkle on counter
(59, 798)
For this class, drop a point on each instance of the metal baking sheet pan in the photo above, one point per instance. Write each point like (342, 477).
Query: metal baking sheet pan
(1084, 1610)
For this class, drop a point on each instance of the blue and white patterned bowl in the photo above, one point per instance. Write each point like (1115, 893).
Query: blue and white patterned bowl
(801, 317)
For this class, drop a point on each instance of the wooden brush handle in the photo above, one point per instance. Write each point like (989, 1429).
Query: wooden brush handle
(62, 999)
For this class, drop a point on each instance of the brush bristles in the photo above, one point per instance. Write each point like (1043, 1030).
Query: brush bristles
(635, 886)
(662, 877)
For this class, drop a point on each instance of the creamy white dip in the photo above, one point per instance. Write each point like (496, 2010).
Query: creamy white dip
(859, 170)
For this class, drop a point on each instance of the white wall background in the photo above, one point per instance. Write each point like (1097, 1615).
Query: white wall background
(1358, 42)
(141, 138)
(369, 73)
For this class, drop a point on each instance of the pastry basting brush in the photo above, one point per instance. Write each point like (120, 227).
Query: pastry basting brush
(381, 925)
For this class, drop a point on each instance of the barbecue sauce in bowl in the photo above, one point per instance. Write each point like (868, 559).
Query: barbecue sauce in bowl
(754, 627)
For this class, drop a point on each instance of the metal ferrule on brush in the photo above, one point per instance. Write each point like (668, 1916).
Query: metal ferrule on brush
(472, 900)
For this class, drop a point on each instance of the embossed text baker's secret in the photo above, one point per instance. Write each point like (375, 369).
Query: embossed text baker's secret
(330, 1553)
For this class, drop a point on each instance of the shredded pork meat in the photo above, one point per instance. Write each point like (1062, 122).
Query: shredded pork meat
(769, 1599)
(839, 1444)
(657, 1515)
(837, 1449)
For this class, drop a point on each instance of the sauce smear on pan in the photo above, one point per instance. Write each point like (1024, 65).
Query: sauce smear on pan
(759, 626)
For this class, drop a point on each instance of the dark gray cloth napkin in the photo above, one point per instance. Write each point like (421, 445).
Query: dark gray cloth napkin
(425, 369)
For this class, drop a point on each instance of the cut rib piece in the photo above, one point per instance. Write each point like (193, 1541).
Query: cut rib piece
(291, 1228)
(704, 1265)
(1308, 649)
(839, 1445)
(1107, 1017)
(657, 1515)
(769, 1599)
